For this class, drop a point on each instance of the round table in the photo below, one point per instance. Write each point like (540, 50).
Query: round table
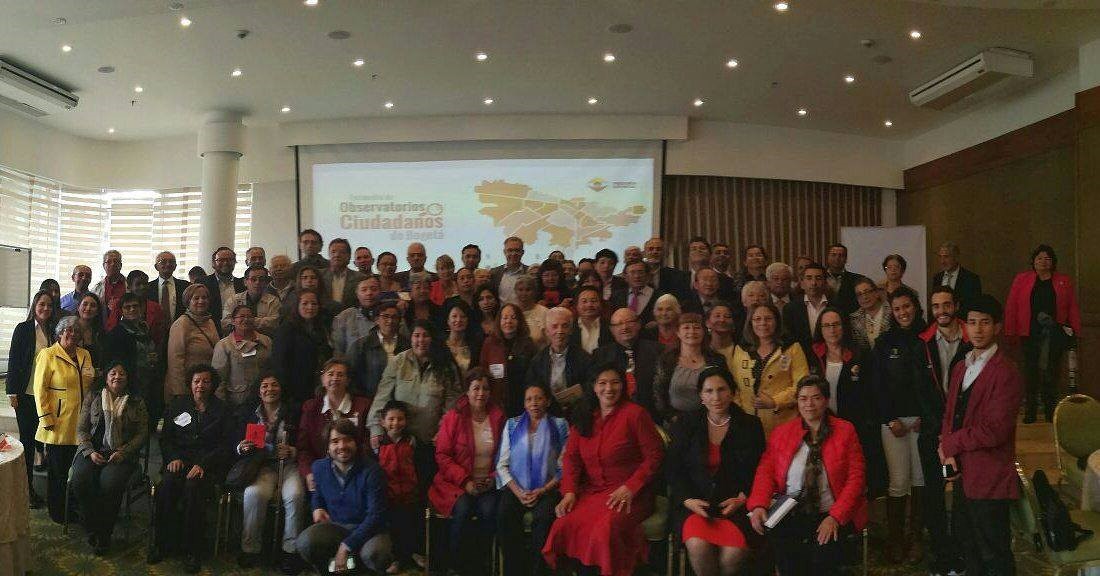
(15, 517)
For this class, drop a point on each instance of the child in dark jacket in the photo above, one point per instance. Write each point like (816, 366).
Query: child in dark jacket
(395, 455)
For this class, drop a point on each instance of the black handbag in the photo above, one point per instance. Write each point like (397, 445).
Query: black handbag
(245, 470)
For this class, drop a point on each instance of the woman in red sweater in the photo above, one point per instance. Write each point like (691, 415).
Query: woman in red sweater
(817, 460)
(1042, 311)
(610, 459)
(465, 484)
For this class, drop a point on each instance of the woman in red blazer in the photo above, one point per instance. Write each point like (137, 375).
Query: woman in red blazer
(817, 460)
(1041, 306)
(465, 484)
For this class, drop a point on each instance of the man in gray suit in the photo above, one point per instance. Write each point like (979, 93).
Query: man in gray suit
(505, 275)
(341, 281)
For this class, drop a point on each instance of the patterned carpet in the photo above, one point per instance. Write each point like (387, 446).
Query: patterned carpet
(56, 554)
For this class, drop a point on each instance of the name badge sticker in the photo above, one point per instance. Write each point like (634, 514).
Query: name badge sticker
(248, 354)
(183, 420)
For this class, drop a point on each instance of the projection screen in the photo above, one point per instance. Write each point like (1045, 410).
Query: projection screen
(573, 196)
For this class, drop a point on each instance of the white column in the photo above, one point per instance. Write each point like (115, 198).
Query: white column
(221, 145)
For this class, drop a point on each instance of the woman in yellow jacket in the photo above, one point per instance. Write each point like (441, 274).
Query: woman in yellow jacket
(764, 370)
(63, 374)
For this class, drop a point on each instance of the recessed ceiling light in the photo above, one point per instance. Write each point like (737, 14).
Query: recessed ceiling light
(481, 56)
(310, 2)
(236, 72)
(609, 57)
(698, 102)
(731, 63)
(488, 101)
(782, 6)
(888, 123)
(284, 109)
(66, 48)
(592, 101)
(185, 21)
(849, 79)
(388, 105)
(110, 130)
(802, 112)
(139, 89)
(915, 34)
(358, 63)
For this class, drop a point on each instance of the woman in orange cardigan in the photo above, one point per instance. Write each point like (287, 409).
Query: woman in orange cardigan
(1042, 310)
(465, 485)
(817, 460)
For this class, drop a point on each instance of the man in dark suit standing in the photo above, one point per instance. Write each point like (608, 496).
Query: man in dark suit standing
(592, 330)
(665, 279)
(966, 284)
(341, 281)
(800, 314)
(416, 255)
(221, 285)
(309, 246)
(504, 276)
(638, 295)
(562, 368)
(699, 260)
(978, 441)
(166, 289)
(634, 356)
(841, 282)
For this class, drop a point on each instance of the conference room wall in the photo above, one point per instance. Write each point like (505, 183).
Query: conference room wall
(997, 217)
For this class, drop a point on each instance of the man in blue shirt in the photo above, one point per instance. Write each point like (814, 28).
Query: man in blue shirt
(349, 507)
(82, 277)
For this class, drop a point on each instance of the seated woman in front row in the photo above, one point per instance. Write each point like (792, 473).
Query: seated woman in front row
(528, 475)
(464, 486)
(611, 457)
(816, 459)
(112, 431)
(196, 450)
(710, 465)
(279, 454)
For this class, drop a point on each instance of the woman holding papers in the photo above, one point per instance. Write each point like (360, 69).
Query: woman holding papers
(814, 461)
(710, 466)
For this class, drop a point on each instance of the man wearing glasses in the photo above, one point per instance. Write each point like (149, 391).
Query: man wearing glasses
(264, 305)
(113, 285)
(635, 356)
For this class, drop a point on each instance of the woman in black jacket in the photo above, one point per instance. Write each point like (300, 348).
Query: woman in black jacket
(29, 336)
(846, 367)
(710, 464)
(301, 345)
(900, 370)
(198, 433)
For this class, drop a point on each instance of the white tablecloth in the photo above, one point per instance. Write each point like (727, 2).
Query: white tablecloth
(15, 518)
(1090, 483)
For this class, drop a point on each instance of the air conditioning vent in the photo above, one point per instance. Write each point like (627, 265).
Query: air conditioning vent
(974, 76)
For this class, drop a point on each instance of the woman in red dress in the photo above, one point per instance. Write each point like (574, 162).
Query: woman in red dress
(711, 463)
(610, 459)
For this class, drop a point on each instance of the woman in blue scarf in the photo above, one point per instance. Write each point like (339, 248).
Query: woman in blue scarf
(528, 473)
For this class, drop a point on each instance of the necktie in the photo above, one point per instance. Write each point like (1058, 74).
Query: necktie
(633, 304)
(168, 312)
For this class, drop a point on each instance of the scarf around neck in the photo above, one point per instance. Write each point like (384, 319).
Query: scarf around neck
(530, 454)
(113, 407)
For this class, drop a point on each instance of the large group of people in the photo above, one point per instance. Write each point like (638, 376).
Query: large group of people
(769, 403)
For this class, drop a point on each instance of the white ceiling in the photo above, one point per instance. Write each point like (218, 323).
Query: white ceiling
(545, 57)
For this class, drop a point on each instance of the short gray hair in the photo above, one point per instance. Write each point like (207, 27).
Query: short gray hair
(775, 267)
(954, 248)
(65, 323)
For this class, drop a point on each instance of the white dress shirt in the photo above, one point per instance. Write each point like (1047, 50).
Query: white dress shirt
(975, 363)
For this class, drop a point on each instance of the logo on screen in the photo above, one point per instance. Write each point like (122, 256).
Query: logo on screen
(597, 184)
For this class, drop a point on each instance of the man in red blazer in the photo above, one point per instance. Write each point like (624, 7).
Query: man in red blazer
(978, 441)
